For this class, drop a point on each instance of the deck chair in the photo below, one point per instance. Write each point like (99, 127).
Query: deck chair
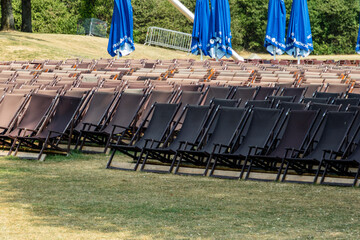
(346, 163)
(277, 99)
(353, 95)
(121, 121)
(257, 132)
(291, 91)
(10, 108)
(345, 102)
(311, 89)
(32, 118)
(190, 131)
(335, 126)
(97, 110)
(49, 136)
(185, 98)
(244, 93)
(265, 92)
(160, 123)
(155, 96)
(296, 128)
(215, 92)
(228, 122)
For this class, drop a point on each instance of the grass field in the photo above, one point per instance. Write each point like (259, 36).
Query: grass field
(29, 46)
(75, 197)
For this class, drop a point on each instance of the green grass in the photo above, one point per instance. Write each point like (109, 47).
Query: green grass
(77, 198)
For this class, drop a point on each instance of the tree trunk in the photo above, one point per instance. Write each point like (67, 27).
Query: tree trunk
(26, 25)
(7, 17)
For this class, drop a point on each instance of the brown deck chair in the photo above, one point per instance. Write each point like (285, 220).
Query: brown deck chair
(54, 130)
(32, 118)
(10, 107)
(122, 120)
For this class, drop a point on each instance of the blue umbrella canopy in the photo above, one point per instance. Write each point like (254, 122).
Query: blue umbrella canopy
(121, 31)
(200, 34)
(219, 45)
(299, 39)
(275, 31)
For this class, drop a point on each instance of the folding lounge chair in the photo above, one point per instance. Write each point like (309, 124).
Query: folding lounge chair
(162, 115)
(257, 132)
(10, 108)
(296, 129)
(121, 121)
(32, 118)
(99, 107)
(58, 123)
(327, 95)
(187, 98)
(316, 100)
(190, 131)
(245, 94)
(228, 121)
(346, 163)
(258, 103)
(215, 92)
(277, 99)
(291, 106)
(292, 91)
(264, 92)
(336, 127)
(345, 102)
(155, 96)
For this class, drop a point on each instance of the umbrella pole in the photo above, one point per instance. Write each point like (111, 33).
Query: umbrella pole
(118, 54)
(298, 60)
(275, 53)
(201, 54)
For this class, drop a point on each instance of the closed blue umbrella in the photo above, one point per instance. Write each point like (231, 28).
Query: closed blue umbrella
(200, 34)
(299, 39)
(121, 31)
(275, 31)
(358, 43)
(219, 31)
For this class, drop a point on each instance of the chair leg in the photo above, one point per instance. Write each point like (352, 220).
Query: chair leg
(324, 173)
(78, 141)
(317, 173)
(144, 161)
(285, 172)
(178, 164)
(138, 160)
(12, 146)
(173, 163)
(356, 177)
(243, 168)
(42, 149)
(111, 158)
(280, 170)
(213, 166)
(249, 170)
(207, 165)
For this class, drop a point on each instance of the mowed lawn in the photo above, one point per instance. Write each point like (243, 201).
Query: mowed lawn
(75, 197)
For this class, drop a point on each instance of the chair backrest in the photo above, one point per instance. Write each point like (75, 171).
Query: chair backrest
(9, 107)
(316, 100)
(98, 107)
(292, 91)
(277, 99)
(258, 103)
(353, 95)
(261, 124)
(327, 95)
(215, 92)
(264, 92)
(291, 106)
(156, 96)
(245, 94)
(335, 129)
(189, 98)
(125, 112)
(228, 121)
(311, 89)
(35, 113)
(162, 114)
(345, 102)
(192, 126)
(297, 127)
(64, 113)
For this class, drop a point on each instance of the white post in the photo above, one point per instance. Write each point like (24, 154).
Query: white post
(201, 54)
(275, 53)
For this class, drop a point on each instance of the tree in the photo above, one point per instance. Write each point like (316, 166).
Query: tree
(26, 25)
(7, 17)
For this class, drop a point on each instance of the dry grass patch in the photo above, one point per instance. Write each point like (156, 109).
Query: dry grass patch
(77, 198)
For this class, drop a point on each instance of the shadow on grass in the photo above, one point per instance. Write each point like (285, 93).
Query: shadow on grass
(78, 193)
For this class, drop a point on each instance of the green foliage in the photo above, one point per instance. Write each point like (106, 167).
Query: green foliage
(334, 22)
